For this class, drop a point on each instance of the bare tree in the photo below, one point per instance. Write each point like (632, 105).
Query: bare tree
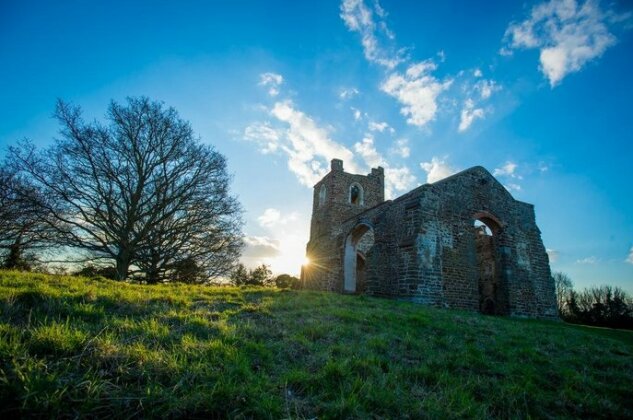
(564, 286)
(134, 186)
(26, 226)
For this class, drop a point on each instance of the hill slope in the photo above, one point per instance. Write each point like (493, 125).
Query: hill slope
(72, 346)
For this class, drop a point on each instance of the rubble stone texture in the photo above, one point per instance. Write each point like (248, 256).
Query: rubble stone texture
(462, 242)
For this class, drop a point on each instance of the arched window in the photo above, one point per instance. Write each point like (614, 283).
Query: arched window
(356, 194)
(482, 228)
(322, 194)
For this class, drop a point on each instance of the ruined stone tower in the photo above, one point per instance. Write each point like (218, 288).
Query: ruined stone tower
(336, 198)
(461, 242)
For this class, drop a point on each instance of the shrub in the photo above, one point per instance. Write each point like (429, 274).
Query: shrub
(286, 281)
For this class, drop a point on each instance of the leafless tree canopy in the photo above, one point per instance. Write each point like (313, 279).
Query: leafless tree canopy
(140, 191)
(25, 224)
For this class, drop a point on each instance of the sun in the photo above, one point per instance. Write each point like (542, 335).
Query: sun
(306, 261)
(291, 255)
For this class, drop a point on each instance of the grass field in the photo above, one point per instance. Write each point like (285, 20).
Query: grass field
(87, 347)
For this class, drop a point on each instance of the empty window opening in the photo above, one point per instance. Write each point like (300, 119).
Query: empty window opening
(322, 195)
(356, 195)
(486, 229)
(482, 229)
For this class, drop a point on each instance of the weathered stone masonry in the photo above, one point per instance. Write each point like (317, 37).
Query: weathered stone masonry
(424, 246)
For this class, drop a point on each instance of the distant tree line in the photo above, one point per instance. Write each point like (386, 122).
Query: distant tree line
(262, 276)
(137, 196)
(603, 306)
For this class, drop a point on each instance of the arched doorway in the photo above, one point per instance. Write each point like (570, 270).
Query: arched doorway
(358, 242)
(486, 231)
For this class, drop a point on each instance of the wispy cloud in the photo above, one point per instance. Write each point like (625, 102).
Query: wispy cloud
(397, 179)
(309, 147)
(512, 187)
(552, 254)
(629, 259)
(508, 169)
(348, 93)
(568, 35)
(273, 217)
(477, 92)
(437, 169)
(370, 25)
(417, 90)
(378, 126)
(265, 135)
(469, 114)
(258, 247)
(272, 81)
(401, 148)
(588, 260)
(357, 114)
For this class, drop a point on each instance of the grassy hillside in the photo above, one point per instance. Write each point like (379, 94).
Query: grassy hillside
(72, 346)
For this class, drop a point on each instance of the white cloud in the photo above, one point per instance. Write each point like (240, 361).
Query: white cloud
(360, 18)
(397, 179)
(568, 35)
(476, 92)
(260, 247)
(269, 218)
(469, 114)
(630, 257)
(348, 93)
(417, 90)
(308, 146)
(401, 148)
(589, 260)
(512, 187)
(271, 80)
(265, 135)
(368, 152)
(357, 113)
(553, 255)
(486, 88)
(273, 217)
(437, 169)
(508, 169)
(378, 126)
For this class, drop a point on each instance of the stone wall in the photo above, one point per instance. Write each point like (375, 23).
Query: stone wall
(425, 247)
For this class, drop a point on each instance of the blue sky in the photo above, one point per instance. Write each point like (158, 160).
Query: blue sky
(537, 92)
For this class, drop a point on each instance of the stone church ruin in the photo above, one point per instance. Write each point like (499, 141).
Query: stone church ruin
(462, 242)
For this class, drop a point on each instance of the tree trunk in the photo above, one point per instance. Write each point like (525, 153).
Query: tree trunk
(14, 259)
(122, 265)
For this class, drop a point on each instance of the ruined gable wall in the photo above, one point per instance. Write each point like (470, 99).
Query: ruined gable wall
(446, 242)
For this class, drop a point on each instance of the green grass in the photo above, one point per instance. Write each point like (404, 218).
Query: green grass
(85, 347)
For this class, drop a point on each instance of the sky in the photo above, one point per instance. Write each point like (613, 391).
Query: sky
(539, 93)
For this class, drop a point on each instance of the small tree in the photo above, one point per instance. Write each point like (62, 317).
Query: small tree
(259, 276)
(239, 276)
